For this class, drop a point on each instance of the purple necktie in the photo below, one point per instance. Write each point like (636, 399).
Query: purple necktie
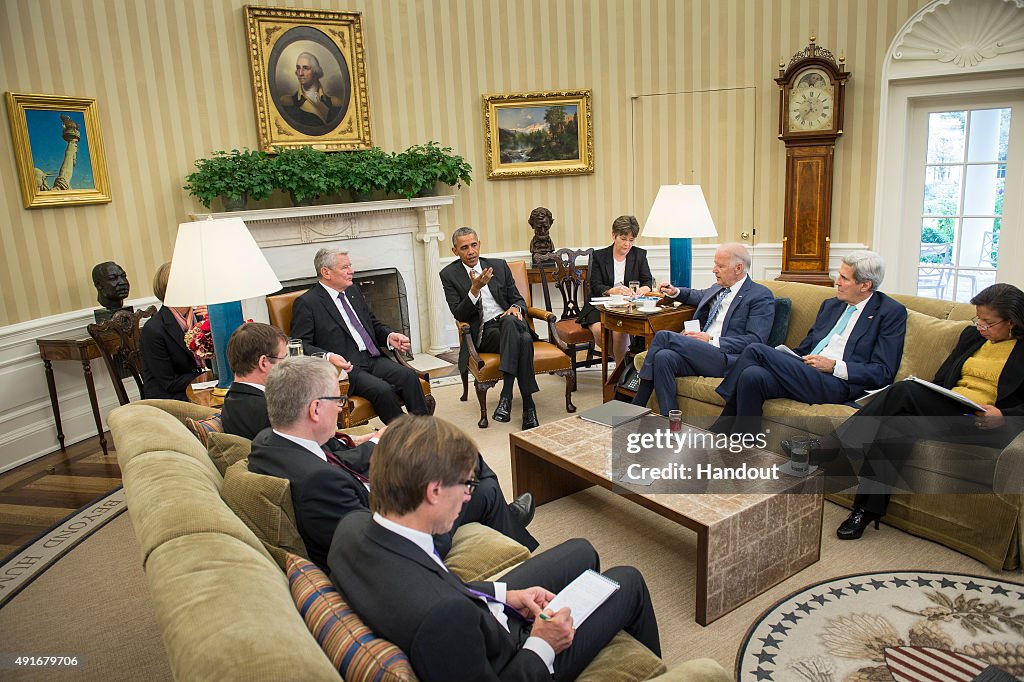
(487, 597)
(336, 461)
(371, 347)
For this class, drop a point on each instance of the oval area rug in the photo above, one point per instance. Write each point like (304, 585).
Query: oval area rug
(904, 626)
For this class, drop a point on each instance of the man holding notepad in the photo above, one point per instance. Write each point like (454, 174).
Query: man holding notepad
(421, 475)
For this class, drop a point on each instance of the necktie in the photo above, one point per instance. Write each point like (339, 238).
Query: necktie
(838, 329)
(715, 307)
(371, 347)
(337, 461)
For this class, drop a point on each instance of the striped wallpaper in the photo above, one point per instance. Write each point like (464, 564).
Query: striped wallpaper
(678, 86)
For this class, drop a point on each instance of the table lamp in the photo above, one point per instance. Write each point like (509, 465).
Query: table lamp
(680, 213)
(217, 263)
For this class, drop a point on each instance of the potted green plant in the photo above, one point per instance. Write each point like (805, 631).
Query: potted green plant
(425, 165)
(368, 170)
(234, 176)
(305, 173)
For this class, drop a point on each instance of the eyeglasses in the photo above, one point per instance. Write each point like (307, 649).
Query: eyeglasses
(982, 326)
(470, 484)
(340, 399)
(274, 358)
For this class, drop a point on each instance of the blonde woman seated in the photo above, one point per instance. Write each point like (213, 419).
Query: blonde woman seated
(612, 269)
(169, 365)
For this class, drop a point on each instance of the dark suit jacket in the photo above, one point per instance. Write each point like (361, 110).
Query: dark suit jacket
(316, 320)
(875, 346)
(321, 493)
(748, 320)
(502, 286)
(602, 270)
(245, 411)
(405, 597)
(1009, 390)
(169, 365)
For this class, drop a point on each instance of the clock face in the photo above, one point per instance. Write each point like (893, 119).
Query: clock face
(811, 102)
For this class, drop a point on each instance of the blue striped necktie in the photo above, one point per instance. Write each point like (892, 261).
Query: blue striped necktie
(716, 307)
(838, 329)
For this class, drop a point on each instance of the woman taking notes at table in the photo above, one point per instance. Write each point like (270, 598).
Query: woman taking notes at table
(612, 269)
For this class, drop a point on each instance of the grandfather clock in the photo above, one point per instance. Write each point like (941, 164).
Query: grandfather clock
(811, 89)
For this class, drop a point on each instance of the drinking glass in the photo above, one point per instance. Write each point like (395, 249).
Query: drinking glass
(634, 287)
(675, 421)
(800, 454)
(294, 347)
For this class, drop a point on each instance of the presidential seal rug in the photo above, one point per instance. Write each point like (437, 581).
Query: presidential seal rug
(26, 564)
(907, 626)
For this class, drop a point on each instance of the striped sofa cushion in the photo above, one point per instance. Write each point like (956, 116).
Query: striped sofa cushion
(202, 428)
(357, 653)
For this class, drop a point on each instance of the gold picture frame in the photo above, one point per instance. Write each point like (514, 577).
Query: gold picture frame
(292, 51)
(59, 150)
(531, 134)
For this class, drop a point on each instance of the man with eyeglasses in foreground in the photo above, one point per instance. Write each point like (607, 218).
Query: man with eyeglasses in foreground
(451, 630)
(329, 474)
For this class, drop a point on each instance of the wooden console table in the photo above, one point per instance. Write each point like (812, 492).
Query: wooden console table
(71, 347)
(629, 321)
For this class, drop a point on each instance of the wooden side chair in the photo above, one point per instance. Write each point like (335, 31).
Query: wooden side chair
(118, 341)
(549, 357)
(573, 285)
(358, 410)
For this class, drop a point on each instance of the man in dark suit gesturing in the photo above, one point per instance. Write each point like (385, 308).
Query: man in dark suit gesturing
(855, 345)
(329, 472)
(333, 317)
(734, 312)
(421, 476)
(482, 293)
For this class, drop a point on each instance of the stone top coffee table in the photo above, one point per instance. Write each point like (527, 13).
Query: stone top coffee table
(751, 534)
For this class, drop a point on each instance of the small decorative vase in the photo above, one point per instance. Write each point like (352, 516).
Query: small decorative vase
(235, 203)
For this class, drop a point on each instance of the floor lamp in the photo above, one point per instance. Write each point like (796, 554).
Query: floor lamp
(217, 263)
(680, 213)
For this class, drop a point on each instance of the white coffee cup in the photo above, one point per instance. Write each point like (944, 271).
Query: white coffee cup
(648, 306)
(617, 299)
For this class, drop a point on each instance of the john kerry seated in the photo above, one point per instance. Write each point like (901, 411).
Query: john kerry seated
(333, 317)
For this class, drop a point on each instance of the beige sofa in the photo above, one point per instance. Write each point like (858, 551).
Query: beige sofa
(220, 596)
(986, 525)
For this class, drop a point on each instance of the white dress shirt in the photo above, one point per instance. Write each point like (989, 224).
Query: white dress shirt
(715, 330)
(344, 315)
(425, 542)
(491, 309)
(837, 344)
(310, 445)
(619, 274)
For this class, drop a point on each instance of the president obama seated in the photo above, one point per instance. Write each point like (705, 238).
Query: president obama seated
(333, 318)
(328, 474)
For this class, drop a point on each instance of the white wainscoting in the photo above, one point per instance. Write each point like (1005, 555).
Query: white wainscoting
(27, 430)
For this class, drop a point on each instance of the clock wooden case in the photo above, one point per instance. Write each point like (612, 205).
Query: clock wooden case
(811, 92)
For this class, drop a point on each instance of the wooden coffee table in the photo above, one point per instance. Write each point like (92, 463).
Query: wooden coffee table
(751, 535)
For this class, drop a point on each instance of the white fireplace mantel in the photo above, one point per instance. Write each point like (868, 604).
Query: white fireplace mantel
(311, 225)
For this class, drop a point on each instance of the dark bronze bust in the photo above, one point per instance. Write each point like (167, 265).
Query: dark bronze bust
(112, 288)
(541, 245)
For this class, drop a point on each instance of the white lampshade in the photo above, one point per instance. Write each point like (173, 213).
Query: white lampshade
(679, 211)
(217, 261)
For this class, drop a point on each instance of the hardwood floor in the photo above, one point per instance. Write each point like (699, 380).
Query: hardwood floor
(37, 495)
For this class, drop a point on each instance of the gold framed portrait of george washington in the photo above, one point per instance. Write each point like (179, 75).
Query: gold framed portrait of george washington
(308, 78)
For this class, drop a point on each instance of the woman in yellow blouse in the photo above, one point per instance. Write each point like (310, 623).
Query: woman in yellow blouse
(987, 366)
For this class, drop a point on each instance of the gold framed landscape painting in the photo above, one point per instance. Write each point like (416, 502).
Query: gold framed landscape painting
(59, 150)
(308, 78)
(530, 134)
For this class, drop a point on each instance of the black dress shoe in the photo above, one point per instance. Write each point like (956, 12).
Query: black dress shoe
(529, 418)
(854, 525)
(523, 508)
(503, 412)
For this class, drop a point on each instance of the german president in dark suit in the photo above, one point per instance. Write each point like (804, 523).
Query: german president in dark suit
(734, 312)
(451, 630)
(333, 317)
(855, 345)
(482, 293)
